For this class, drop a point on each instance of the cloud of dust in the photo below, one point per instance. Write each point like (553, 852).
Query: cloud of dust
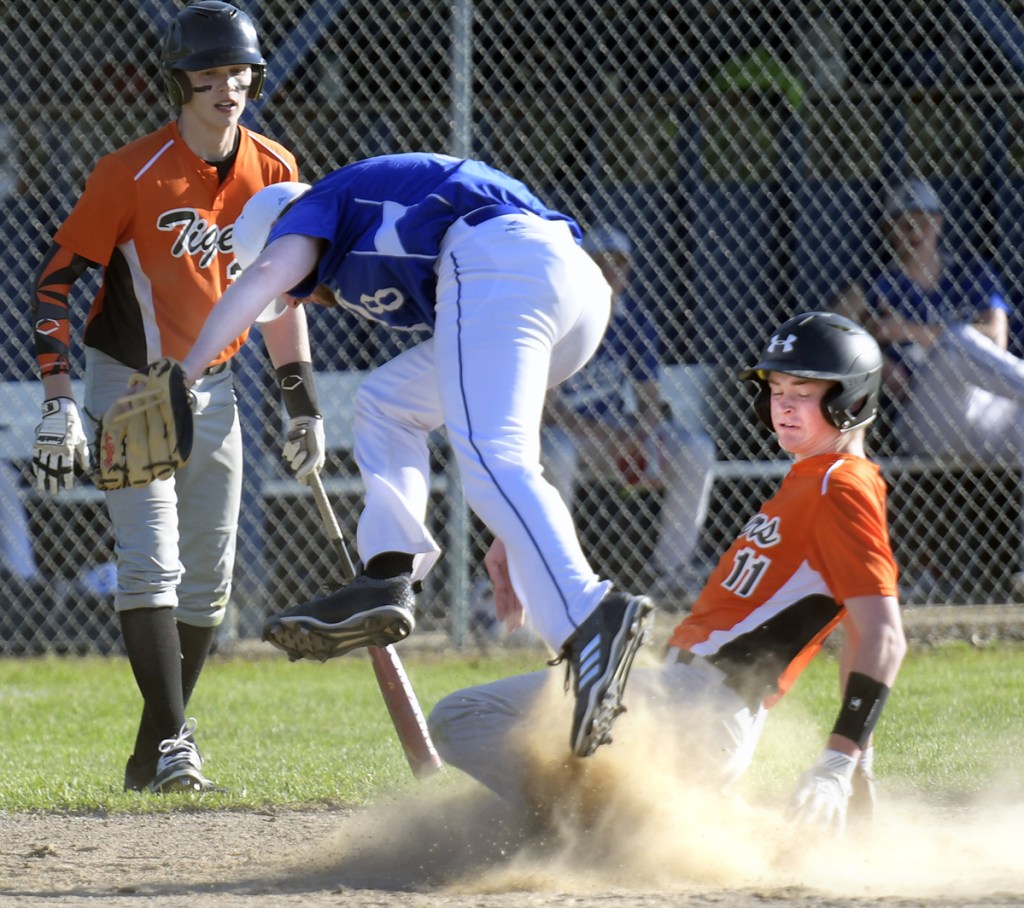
(632, 818)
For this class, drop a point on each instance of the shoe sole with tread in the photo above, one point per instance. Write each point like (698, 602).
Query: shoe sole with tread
(595, 729)
(303, 637)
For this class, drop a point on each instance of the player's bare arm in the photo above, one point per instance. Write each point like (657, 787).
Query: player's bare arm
(876, 647)
(507, 607)
(287, 340)
(876, 651)
(287, 337)
(284, 263)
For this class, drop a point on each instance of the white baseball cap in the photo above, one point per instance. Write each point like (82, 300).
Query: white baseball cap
(912, 195)
(252, 227)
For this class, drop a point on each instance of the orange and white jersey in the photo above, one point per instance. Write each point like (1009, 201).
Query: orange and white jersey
(159, 220)
(778, 591)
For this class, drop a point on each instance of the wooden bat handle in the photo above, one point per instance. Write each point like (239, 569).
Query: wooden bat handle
(406, 715)
(331, 526)
(395, 686)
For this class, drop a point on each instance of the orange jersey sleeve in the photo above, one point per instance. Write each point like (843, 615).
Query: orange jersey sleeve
(159, 221)
(852, 548)
(777, 592)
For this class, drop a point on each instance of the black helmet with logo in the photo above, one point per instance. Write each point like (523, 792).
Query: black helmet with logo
(826, 346)
(206, 35)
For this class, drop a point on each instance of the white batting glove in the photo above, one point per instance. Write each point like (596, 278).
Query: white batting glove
(821, 797)
(863, 799)
(305, 446)
(60, 444)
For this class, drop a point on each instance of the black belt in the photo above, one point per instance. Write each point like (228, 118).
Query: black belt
(216, 370)
(489, 212)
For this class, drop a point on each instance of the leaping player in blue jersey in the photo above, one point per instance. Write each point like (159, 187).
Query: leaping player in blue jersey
(515, 306)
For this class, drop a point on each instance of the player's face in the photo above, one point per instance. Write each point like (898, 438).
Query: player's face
(914, 231)
(219, 94)
(799, 422)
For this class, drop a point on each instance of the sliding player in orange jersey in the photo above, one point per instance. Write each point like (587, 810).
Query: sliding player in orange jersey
(816, 555)
(158, 216)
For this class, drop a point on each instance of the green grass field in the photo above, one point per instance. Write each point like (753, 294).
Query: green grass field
(301, 734)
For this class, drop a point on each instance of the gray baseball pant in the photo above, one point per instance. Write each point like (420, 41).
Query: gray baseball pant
(175, 538)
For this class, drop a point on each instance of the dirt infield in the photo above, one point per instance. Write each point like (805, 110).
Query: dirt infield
(464, 851)
(457, 847)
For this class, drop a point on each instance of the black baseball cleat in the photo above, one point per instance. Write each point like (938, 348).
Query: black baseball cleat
(367, 612)
(600, 654)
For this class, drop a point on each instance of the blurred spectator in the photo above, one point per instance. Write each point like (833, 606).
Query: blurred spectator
(943, 322)
(610, 420)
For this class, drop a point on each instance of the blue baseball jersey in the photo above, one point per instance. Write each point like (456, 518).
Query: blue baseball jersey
(629, 354)
(384, 219)
(968, 286)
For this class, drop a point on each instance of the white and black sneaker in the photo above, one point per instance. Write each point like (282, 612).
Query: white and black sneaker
(367, 612)
(180, 765)
(600, 654)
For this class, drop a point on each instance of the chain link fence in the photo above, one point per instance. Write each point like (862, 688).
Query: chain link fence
(745, 150)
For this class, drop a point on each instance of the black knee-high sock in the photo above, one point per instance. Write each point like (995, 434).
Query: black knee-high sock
(389, 564)
(195, 643)
(154, 652)
(195, 647)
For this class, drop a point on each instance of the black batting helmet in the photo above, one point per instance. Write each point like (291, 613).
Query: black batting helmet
(826, 346)
(206, 35)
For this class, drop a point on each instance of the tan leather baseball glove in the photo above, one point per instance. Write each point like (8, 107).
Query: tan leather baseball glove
(147, 434)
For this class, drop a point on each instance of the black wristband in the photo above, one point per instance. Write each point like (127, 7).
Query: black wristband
(297, 389)
(862, 706)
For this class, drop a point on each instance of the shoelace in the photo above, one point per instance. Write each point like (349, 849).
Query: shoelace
(182, 747)
(564, 656)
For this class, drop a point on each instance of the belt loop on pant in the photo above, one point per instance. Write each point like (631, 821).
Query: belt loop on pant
(481, 215)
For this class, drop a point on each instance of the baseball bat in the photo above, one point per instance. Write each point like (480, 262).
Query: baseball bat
(395, 686)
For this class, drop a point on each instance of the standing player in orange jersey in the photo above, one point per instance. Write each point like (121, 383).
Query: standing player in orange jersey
(815, 556)
(157, 216)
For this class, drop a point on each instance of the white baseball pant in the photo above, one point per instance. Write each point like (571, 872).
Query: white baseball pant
(520, 307)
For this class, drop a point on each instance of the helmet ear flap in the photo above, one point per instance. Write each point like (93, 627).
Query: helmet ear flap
(831, 407)
(179, 89)
(259, 76)
(843, 410)
(763, 405)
